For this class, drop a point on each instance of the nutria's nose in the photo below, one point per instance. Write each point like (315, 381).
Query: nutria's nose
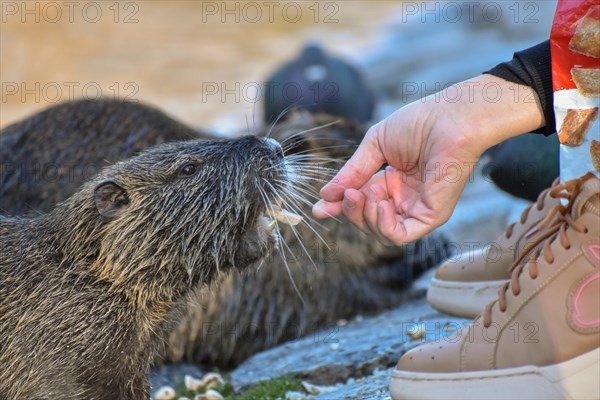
(276, 147)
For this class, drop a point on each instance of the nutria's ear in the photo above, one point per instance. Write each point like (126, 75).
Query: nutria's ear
(111, 199)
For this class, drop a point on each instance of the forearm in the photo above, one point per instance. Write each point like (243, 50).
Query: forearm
(487, 110)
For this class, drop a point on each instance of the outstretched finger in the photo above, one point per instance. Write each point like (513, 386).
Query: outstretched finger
(325, 209)
(367, 159)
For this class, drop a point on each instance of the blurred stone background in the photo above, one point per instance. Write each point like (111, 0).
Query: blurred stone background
(174, 53)
(167, 52)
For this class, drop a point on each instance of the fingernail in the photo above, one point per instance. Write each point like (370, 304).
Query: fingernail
(349, 204)
(317, 211)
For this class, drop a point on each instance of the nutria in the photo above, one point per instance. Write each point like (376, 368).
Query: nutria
(87, 289)
(355, 276)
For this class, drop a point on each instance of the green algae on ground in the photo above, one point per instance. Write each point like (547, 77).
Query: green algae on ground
(226, 390)
(264, 390)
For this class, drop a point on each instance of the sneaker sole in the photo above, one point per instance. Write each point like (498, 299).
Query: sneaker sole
(462, 299)
(573, 379)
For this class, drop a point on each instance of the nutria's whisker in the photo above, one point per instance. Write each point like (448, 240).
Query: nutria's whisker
(282, 240)
(307, 175)
(312, 179)
(300, 202)
(296, 233)
(293, 203)
(309, 160)
(304, 166)
(264, 201)
(304, 184)
(314, 170)
(308, 217)
(301, 185)
(254, 116)
(312, 163)
(318, 134)
(293, 228)
(340, 146)
(265, 198)
(312, 195)
(316, 128)
(289, 271)
(314, 158)
(315, 221)
(316, 149)
(296, 198)
(299, 210)
(281, 114)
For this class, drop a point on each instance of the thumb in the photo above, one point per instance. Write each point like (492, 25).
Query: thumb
(367, 160)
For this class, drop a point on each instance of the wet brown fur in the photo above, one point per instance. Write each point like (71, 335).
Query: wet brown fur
(87, 289)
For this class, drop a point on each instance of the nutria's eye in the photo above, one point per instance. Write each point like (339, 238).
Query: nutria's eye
(188, 170)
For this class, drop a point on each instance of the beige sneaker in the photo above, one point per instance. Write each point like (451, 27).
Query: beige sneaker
(541, 338)
(460, 287)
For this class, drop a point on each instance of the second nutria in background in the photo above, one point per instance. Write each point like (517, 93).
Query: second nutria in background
(47, 156)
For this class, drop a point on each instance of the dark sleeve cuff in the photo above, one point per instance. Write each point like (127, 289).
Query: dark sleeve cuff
(533, 68)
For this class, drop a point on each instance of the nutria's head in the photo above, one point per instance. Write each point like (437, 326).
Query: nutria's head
(177, 213)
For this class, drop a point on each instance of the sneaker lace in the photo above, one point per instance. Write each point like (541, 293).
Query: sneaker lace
(553, 226)
(539, 204)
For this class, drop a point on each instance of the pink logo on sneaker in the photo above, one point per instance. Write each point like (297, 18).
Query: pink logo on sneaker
(595, 252)
(585, 293)
(593, 281)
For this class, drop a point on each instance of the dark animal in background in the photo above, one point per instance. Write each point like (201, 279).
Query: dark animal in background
(525, 165)
(317, 82)
(47, 156)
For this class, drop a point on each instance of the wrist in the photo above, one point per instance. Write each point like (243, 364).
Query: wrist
(488, 110)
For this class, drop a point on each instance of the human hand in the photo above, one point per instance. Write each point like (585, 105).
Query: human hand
(431, 147)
